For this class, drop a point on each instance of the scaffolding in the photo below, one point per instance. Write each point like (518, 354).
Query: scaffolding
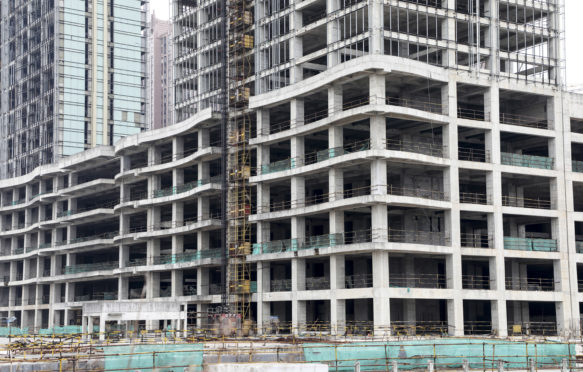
(238, 68)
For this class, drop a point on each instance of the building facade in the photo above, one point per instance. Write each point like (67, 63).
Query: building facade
(415, 169)
(73, 77)
(160, 77)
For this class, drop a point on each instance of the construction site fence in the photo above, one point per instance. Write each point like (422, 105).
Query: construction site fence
(422, 354)
(209, 330)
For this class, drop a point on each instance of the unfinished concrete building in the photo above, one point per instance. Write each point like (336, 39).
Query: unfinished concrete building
(414, 168)
(72, 78)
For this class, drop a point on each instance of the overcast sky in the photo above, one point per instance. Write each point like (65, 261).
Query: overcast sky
(574, 36)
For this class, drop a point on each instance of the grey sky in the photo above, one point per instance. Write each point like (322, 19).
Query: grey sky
(574, 36)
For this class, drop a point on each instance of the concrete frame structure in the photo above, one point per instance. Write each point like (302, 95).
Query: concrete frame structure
(72, 77)
(416, 171)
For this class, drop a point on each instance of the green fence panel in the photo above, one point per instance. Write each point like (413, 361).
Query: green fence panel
(443, 352)
(165, 358)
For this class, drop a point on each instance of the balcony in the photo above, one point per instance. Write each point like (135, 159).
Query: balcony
(314, 157)
(317, 283)
(82, 239)
(106, 205)
(529, 161)
(436, 281)
(527, 244)
(472, 154)
(98, 296)
(358, 281)
(310, 242)
(417, 193)
(175, 190)
(470, 114)
(525, 121)
(417, 104)
(530, 284)
(280, 285)
(475, 282)
(430, 149)
(476, 241)
(473, 198)
(418, 237)
(83, 268)
(170, 259)
(513, 201)
(577, 166)
(189, 290)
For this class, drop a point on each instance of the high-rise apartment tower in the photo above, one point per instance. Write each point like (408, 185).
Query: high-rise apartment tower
(72, 76)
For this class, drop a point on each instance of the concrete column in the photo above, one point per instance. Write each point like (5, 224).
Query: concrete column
(377, 89)
(296, 49)
(153, 278)
(177, 283)
(379, 219)
(177, 147)
(263, 126)
(381, 293)
(335, 99)
(298, 276)
(296, 112)
(102, 327)
(263, 285)
(123, 287)
(263, 188)
(448, 28)
(84, 328)
(337, 306)
(202, 281)
(332, 33)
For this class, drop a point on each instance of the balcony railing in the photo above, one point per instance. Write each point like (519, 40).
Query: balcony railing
(358, 281)
(105, 205)
(528, 244)
(525, 121)
(187, 256)
(314, 157)
(577, 166)
(175, 190)
(419, 328)
(422, 104)
(418, 237)
(417, 193)
(513, 201)
(317, 283)
(82, 239)
(529, 161)
(189, 290)
(431, 149)
(471, 114)
(417, 281)
(83, 268)
(533, 328)
(472, 154)
(280, 285)
(473, 198)
(475, 282)
(530, 284)
(99, 296)
(310, 242)
(476, 241)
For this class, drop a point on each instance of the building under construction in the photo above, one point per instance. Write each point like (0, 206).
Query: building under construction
(72, 78)
(341, 167)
